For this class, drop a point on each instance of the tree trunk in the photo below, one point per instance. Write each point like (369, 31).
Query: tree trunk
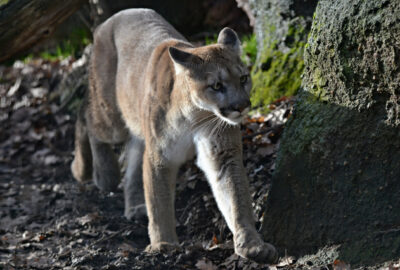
(337, 179)
(245, 6)
(25, 22)
(281, 28)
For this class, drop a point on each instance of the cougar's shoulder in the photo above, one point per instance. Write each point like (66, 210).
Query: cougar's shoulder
(163, 97)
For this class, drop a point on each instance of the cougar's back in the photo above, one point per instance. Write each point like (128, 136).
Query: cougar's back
(122, 49)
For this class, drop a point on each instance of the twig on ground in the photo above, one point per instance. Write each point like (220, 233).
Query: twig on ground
(275, 128)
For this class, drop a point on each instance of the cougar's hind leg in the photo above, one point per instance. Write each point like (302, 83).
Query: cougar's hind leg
(135, 208)
(106, 174)
(81, 166)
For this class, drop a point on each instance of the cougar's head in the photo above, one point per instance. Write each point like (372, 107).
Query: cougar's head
(215, 77)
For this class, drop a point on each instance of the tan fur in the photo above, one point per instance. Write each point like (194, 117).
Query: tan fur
(150, 87)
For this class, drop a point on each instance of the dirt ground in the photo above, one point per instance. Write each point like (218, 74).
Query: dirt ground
(49, 221)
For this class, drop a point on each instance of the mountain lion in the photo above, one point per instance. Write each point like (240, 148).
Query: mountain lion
(169, 100)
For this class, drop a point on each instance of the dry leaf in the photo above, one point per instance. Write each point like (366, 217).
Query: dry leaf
(215, 240)
(340, 265)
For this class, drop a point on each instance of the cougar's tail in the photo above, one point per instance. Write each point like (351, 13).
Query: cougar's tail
(81, 166)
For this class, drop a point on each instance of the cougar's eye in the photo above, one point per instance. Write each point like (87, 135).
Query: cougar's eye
(217, 86)
(243, 79)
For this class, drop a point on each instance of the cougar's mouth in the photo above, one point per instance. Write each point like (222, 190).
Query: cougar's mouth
(233, 117)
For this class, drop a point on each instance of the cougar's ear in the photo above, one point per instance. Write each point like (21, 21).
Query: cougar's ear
(181, 59)
(229, 38)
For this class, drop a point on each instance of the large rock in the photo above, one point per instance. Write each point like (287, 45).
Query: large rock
(337, 179)
(281, 28)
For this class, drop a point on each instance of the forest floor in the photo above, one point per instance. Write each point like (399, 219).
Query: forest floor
(49, 221)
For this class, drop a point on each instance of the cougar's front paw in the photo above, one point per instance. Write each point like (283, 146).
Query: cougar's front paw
(258, 252)
(251, 246)
(137, 213)
(164, 247)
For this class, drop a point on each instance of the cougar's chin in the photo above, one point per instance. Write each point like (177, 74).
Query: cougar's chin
(233, 118)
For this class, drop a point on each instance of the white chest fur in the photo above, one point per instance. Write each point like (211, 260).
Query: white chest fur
(179, 149)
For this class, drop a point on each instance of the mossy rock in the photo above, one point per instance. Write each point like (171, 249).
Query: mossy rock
(281, 29)
(279, 73)
(337, 177)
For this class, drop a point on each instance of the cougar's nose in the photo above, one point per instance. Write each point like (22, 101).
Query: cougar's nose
(237, 107)
(241, 106)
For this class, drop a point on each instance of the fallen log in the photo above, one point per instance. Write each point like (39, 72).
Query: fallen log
(24, 23)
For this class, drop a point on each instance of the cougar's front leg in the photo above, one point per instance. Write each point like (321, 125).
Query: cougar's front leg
(159, 188)
(135, 208)
(221, 160)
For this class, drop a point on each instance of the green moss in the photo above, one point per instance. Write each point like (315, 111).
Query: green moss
(249, 49)
(3, 2)
(279, 73)
(319, 84)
